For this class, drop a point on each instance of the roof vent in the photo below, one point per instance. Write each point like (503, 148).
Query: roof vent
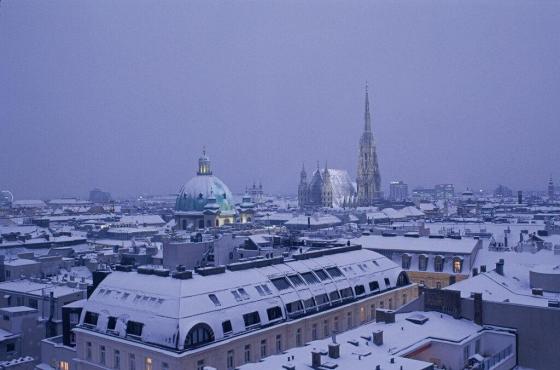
(212, 270)
(554, 304)
(144, 270)
(334, 350)
(182, 275)
(162, 272)
(537, 291)
(418, 319)
(500, 267)
(378, 337)
(123, 268)
(315, 359)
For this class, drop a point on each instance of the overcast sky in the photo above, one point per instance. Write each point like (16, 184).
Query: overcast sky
(123, 95)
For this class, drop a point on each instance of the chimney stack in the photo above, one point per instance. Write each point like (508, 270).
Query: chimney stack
(474, 271)
(378, 337)
(315, 359)
(500, 267)
(482, 268)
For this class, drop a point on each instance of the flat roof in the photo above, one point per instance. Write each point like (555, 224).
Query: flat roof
(417, 245)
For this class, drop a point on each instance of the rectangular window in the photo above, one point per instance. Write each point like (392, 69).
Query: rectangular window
(274, 313)
(349, 320)
(10, 347)
(477, 346)
(244, 295)
(373, 286)
(294, 307)
(74, 318)
(299, 341)
(63, 365)
(200, 365)
(309, 304)
(164, 366)
(466, 353)
(236, 295)
(322, 274)
(134, 328)
(296, 280)
(230, 359)
(260, 290)
(390, 303)
(91, 318)
(88, 350)
(404, 299)
(226, 327)
(278, 343)
(322, 300)
(335, 272)
(336, 328)
(247, 353)
(281, 283)
(111, 323)
(214, 300)
(310, 278)
(251, 319)
(334, 296)
(102, 355)
(33, 303)
(387, 282)
(346, 293)
(326, 328)
(263, 348)
(314, 332)
(148, 365)
(131, 362)
(372, 312)
(117, 359)
(359, 289)
(381, 304)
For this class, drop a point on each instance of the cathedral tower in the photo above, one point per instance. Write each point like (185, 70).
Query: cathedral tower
(302, 188)
(369, 179)
(327, 191)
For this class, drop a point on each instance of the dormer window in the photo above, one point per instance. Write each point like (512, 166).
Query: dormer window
(214, 300)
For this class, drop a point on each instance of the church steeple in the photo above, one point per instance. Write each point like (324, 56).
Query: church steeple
(367, 116)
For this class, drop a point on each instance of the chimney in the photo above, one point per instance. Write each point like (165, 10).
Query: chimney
(315, 359)
(474, 271)
(500, 267)
(482, 268)
(378, 337)
(334, 350)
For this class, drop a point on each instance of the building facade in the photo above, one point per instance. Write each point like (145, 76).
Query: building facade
(398, 191)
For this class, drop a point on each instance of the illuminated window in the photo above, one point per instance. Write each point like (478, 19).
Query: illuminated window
(457, 264)
(148, 364)
(63, 365)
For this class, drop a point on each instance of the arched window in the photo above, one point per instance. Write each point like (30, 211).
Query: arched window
(198, 335)
(438, 263)
(403, 280)
(406, 261)
(457, 264)
(422, 262)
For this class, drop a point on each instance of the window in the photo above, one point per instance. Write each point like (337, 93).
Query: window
(294, 307)
(131, 362)
(296, 280)
(335, 272)
(372, 311)
(373, 286)
(334, 296)
(404, 299)
(438, 263)
(6, 318)
(281, 283)
(266, 289)
(298, 338)
(198, 335)
(349, 320)
(406, 261)
(226, 326)
(63, 365)
(322, 274)
(214, 300)
(91, 318)
(33, 304)
(422, 262)
(336, 328)
(387, 282)
(309, 304)
(359, 289)
(466, 353)
(236, 295)
(148, 365)
(260, 290)
(200, 365)
(111, 323)
(230, 359)
(10, 347)
(263, 348)
(117, 359)
(274, 313)
(477, 346)
(438, 285)
(390, 303)
(363, 316)
(381, 304)
(314, 332)
(134, 328)
(278, 343)
(247, 353)
(346, 293)
(102, 355)
(310, 278)
(402, 279)
(251, 319)
(244, 294)
(457, 265)
(88, 350)
(322, 299)
(326, 328)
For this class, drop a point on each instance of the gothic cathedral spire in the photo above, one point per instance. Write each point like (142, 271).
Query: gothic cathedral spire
(368, 179)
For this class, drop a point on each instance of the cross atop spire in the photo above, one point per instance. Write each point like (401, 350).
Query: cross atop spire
(367, 117)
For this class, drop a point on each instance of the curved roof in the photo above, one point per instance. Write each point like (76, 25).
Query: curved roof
(168, 307)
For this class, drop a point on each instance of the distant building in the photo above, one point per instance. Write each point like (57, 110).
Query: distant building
(256, 193)
(503, 191)
(398, 191)
(6, 199)
(550, 188)
(444, 191)
(98, 196)
(328, 188)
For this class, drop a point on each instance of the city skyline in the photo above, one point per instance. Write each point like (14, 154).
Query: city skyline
(455, 97)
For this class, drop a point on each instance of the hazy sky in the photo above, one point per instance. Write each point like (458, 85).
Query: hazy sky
(122, 95)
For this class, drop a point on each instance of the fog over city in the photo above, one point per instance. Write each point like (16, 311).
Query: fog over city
(124, 95)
